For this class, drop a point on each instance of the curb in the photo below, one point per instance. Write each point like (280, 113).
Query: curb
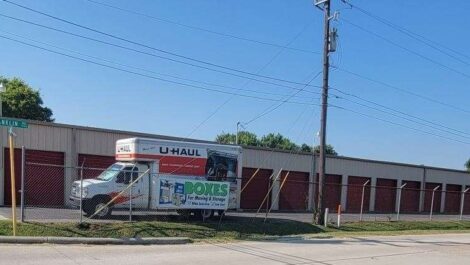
(94, 241)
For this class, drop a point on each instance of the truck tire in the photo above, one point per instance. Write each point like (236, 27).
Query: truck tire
(99, 203)
(185, 214)
(205, 214)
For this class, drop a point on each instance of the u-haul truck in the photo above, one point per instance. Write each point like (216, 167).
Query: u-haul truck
(189, 177)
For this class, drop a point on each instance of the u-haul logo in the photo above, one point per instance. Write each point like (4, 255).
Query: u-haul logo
(173, 151)
(179, 151)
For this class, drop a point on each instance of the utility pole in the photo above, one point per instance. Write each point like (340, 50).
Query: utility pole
(325, 5)
(238, 130)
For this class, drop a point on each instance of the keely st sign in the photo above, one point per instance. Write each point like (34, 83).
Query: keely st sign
(13, 123)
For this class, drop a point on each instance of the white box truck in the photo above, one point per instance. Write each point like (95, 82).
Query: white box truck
(190, 177)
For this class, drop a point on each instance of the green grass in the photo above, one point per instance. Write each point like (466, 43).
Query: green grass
(232, 229)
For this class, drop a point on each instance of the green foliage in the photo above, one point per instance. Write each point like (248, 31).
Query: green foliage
(277, 141)
(330, 150)
(271, 140)
(306, 148)
(21, 101)
(244, 138)
(467, 164)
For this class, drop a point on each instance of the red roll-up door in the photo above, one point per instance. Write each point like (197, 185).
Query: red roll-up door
(94, 164)
(255, 191)
(452, 203)
(466, 205)
(354, 197)
(332, 192)
(410, 197)
(428, 197)
(44, 177)
(294, 193)
(385, 195)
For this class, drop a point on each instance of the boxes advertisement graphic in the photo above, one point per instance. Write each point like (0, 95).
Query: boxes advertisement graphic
(178, 193)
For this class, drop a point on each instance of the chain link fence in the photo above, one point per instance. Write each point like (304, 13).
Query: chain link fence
(54, 193)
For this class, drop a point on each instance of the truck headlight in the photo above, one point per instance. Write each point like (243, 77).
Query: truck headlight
(84, 192)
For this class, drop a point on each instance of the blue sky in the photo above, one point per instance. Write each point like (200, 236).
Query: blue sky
(90, 95)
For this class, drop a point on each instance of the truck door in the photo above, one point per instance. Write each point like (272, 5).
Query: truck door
(127, 175)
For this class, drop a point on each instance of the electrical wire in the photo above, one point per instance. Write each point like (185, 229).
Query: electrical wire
(197, 28)
(402, 90)
(279, 52)
(151, 54)
(154, 72)
(145, 45)
(418, 37)
(397, 111)
(404, 116)
(398, 124)
(275, 107)
(406, 48)
(148, 76)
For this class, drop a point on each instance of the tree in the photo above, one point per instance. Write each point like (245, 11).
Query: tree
(244, 138)
(271, 140)
(330, 150)
(306, 148)
(21, 101)
(467, 165)
(277, 141)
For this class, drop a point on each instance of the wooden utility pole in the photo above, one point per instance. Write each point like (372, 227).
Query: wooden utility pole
(324, 109)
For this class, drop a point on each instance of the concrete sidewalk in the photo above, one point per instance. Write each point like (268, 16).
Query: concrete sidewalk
(94, 241)
(403, 250)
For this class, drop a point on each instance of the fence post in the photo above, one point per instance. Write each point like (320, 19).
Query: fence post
(130, 201)
(362, 199)
(23, 165)
(81, 193)
(432, 202)
(339, 216)
(326, 217)
(462, 202)
(399, 200)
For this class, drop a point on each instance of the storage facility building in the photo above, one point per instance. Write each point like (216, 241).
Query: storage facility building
(291, 175)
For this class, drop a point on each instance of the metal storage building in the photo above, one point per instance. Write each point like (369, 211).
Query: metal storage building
(69, 145)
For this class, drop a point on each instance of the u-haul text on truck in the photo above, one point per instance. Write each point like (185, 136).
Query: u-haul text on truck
(190, 177)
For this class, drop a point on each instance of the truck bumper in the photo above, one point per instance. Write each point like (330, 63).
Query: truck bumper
(75, 202)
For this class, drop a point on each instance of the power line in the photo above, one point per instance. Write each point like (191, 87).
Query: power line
(149, 76)
(396, 111)
(426, 123)
(153, 55)
(398, 124)
(406, 49)
(223, 34)
(248, 81)
(273, 108)
(418, 37)
(406, 91)
(145, 45)
(154, 72)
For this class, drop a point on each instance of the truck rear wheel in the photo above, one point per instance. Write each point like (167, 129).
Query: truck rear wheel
(205, 214)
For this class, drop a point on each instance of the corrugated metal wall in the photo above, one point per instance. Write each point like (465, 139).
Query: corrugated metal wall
(74, 140)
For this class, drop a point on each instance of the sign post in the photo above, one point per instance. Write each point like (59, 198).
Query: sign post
(18, 124)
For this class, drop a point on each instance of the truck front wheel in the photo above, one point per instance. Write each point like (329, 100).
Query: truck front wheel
(100, 204)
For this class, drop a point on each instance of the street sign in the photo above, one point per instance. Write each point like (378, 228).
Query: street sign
(13, 123)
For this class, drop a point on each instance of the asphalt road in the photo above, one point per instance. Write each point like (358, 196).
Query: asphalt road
(403, 250)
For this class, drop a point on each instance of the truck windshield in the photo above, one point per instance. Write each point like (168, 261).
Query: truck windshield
(110, 173)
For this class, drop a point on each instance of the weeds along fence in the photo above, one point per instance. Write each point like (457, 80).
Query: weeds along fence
(46, 188)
